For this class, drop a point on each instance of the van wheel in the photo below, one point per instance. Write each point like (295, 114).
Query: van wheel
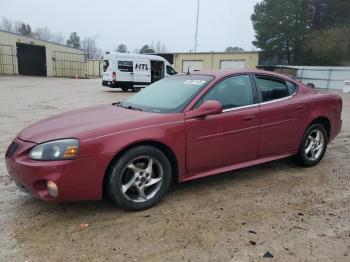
(125, 89)
(140, 178)
(136, 88)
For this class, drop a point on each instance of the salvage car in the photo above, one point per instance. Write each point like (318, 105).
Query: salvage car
(184, 127)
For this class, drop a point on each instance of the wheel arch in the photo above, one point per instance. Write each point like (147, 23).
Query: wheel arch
(325, 122)
(169, 153)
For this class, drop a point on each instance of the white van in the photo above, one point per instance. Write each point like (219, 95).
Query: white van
(133, 71)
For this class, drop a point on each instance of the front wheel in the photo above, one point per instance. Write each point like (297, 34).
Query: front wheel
(313, 146)
(140, 178)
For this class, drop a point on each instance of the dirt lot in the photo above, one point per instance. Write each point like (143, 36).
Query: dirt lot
(296, 214)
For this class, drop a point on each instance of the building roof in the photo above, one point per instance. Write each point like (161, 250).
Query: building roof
(38, 39)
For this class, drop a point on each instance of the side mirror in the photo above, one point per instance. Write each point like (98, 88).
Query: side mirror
(210, 107)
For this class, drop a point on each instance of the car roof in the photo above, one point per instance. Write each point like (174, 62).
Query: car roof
(227, 72)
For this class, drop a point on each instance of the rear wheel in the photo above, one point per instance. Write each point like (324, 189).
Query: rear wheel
(140, 178)
(125, 89)
(313, 146)
(136, 88)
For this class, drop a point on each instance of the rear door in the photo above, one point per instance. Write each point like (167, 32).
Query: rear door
(281, 115)
(142, 71)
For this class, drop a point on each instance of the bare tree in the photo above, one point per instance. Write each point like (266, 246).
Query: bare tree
(12, 26)
(57, 38)
(160, 47)
(20, 27)
(6, 24)
(17, 26)
(90, 47)
(43, 33)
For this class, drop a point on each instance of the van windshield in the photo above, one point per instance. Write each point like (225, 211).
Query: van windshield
(169, 95)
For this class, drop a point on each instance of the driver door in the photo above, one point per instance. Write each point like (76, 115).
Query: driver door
(228, 138)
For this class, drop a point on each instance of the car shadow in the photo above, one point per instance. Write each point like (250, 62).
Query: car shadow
(239, 175)
(117, 91)
(193, 187)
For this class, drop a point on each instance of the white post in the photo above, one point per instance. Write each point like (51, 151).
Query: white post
(346, 88)
(196, 34)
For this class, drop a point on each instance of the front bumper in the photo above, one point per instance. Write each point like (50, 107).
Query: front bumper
(79, 179)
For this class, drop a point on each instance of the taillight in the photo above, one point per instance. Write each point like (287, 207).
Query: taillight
(114, 76)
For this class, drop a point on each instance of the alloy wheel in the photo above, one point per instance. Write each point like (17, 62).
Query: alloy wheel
(141, 179)
(314, 145)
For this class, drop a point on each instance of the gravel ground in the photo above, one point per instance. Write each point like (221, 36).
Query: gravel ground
(296, 214)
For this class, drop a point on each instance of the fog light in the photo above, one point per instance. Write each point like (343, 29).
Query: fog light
(52, 188)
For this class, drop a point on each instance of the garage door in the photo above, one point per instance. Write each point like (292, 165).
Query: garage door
(193, 65)
(229, 64)
(31, 59)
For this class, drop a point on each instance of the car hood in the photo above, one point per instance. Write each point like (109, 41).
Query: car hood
(89, 123)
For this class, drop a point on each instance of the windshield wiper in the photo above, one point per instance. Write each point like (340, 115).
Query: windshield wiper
(133, 108)
(120, 104)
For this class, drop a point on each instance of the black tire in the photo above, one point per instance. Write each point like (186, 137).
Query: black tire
(136, 88)
(125, 89)
(118, 170)
(302, 158)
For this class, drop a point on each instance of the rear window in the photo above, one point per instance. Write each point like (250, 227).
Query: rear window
(272, 88)
(125, 66)
(105, 65)
(292, 88)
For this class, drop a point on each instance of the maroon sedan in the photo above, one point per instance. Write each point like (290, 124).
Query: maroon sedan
(180, 128)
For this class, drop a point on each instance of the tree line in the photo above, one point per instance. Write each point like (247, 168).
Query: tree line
(307, 32)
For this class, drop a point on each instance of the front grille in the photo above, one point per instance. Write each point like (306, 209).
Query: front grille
(12, 149)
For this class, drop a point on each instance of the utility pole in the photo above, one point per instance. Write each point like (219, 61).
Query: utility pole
(196, 34)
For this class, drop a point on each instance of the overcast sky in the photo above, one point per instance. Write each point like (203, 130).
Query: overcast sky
(222, 23)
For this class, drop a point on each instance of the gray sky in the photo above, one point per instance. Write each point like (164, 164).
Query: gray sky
(222, 23)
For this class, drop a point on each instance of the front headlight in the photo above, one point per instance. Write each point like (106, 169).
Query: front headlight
(55, 150)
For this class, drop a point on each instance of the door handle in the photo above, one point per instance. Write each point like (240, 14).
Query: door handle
(300, 107)
(248, 118)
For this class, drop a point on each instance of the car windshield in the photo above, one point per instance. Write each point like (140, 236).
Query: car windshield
(169, 95)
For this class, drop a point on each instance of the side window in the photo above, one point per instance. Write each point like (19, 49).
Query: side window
(125, 66)
(170, 70)
(292, 88)
(105, 65)
(271, 88)
(232, 92)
